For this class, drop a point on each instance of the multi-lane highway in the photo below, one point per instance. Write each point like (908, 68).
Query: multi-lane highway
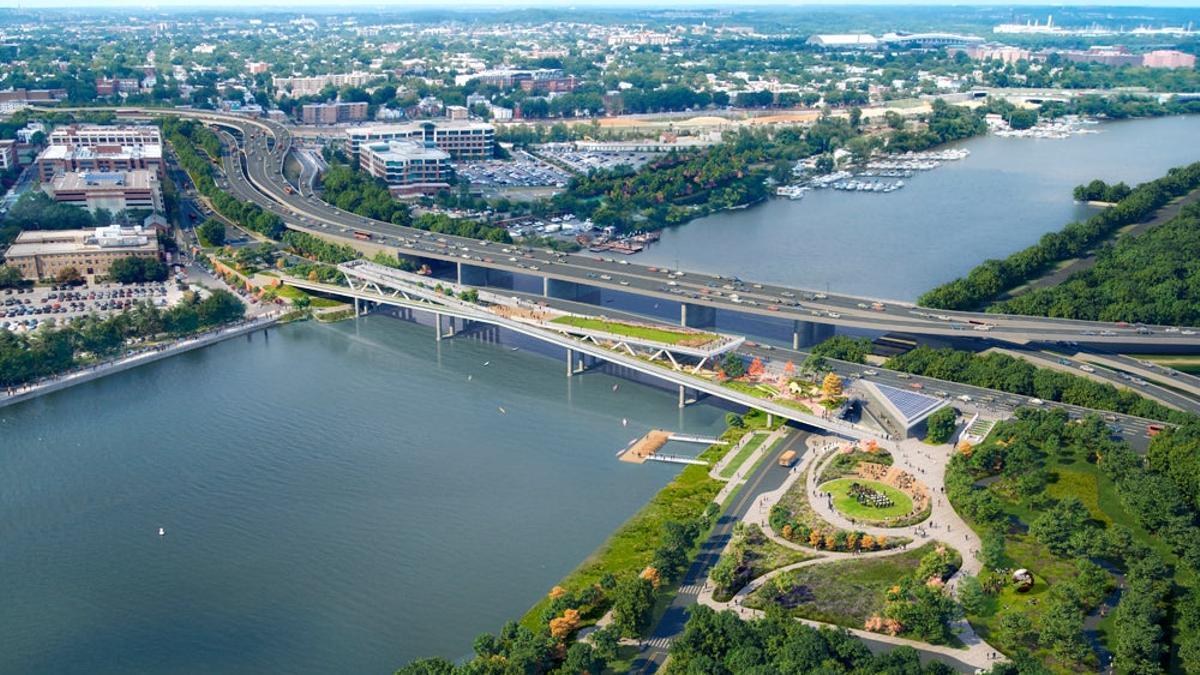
(263, 147)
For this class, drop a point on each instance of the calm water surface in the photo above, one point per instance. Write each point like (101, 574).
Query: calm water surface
(336, 499)
(1009, 192)
(343, 499)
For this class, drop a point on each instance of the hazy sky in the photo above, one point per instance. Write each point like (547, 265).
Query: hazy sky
(517, 4)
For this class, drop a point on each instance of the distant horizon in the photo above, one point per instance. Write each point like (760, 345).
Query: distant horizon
(476, 5)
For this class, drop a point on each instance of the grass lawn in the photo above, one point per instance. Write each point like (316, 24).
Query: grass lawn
(846, 504)
(662, 335)
(292, 293)
(742, 455)
(844, 593)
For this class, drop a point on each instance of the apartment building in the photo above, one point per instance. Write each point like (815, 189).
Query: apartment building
(91, 135)
(309, 86)
(61, 159)
(333, 113)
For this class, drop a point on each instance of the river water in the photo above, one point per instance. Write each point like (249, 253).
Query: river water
(1002, 198)
(344, 499)
(335, 498)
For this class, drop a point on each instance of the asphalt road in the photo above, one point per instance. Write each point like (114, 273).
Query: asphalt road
(767, 476)
(265, 145)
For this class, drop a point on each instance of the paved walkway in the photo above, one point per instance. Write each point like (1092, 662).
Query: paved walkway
(925, 462)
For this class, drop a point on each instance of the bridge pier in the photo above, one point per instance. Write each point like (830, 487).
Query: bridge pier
(437, 326)
(569, 290)
(356, 311)
(682, 396)
(809, 333)
(697, 316)
(570, 362)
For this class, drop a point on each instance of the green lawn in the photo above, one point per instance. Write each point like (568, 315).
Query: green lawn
(844, 593)
(292, 293)
(849, 506)
(663, 335)
(742, 455)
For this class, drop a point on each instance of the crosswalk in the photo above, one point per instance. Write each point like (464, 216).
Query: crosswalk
(691, 589)
(659, 642)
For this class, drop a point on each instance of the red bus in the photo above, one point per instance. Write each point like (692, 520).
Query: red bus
(359, 234)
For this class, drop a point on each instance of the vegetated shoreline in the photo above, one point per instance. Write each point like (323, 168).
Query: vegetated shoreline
(985, 284)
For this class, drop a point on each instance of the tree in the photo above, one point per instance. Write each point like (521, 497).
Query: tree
(1056, 526)
(941, 425)
(10, 277)
(734, 421)
(831, 386)
(733, 366)
(211, 232)
(68, 275)
(633, 599)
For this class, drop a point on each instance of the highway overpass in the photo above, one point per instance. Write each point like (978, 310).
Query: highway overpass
(255, 172)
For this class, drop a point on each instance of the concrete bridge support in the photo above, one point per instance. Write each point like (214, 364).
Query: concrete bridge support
(569, 290)
(808, 333)
(570, 362)
(437, 326)
(474, 275)
(682, 396)
(697, 316)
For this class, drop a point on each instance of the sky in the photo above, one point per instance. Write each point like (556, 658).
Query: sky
(559, 4)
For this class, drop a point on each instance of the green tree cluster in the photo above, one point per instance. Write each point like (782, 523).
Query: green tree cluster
(1150, 278)
(844, 348)
(1015, 376)
(993, 277)
(134, 269)
(720, 643)
(26, 357)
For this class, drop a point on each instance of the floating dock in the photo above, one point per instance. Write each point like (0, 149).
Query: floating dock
(646, 448)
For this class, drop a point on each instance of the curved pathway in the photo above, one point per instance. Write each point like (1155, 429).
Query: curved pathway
(926, 463)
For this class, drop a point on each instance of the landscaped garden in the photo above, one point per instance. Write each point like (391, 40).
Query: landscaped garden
(845, 463)
(644, 332)
(897, 594)
(867, 499)
(750, 555)
(794, 519)
(1081, 513)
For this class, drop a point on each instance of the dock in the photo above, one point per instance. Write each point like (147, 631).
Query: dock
(645, 447)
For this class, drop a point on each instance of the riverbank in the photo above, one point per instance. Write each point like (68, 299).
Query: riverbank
(1064, 269)
(630, 548)
(139, 358)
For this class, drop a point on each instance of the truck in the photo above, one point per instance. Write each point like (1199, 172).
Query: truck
(1154, 429)
(359, 234)
(788, 458)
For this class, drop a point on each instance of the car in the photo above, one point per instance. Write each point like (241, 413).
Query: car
(870, 372)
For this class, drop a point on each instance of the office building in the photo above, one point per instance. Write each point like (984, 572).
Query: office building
(462, 140)
(114, 191)
(8, 154)
(42, 254)
(406, 163)
(91, 135)
(60, 159)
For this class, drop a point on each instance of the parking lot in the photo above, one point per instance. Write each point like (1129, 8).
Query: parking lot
(523, 170)
(28, 308)
(585, 162)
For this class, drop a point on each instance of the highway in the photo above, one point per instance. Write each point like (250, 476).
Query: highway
(991, 403)
(264, 145)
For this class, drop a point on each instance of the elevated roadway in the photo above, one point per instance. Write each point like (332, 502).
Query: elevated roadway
(255, 172)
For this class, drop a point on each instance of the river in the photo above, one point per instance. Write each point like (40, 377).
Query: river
(346, 498)
(335, 498)
(1002, 198)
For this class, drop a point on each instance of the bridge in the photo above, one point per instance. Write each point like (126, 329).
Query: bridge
(384, 286)
(254, 170)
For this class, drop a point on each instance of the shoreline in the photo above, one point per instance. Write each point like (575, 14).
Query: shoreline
(95, 372)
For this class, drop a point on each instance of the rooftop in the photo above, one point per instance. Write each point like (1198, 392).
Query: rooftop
(64, 152)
